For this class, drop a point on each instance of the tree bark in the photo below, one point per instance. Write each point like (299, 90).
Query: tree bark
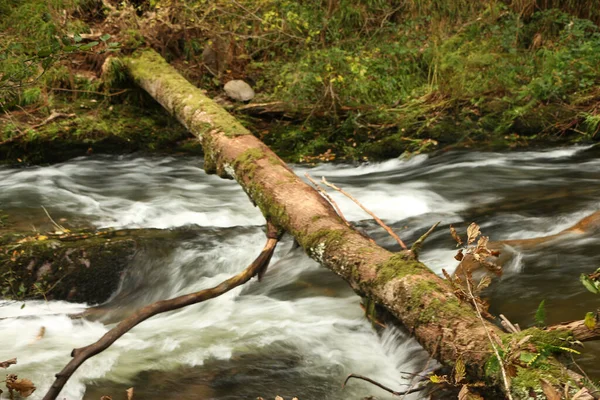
(448, 328)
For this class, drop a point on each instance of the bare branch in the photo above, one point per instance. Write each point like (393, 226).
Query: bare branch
(375, 217)
(387, 389)
(416, 247)
(328, 197)
(83, 353)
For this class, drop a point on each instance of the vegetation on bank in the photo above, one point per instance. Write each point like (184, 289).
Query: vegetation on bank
(337, 78)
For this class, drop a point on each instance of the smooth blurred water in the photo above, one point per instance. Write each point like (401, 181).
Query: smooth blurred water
(301, 330)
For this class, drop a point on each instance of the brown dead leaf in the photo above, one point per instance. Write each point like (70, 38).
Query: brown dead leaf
(24, 386)
(129, 393)
(459, 371)
(524, 340)
(8, 363)
(472, 232)
(455, 235)
(583, 394)
(105, 398)
(465, 394)
(549, 390)
(278, 398)
(459, 256)
(483, 283)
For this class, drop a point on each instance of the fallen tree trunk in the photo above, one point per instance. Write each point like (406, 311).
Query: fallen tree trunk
(448, 328)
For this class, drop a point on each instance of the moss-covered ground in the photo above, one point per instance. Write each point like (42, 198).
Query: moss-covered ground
(366, 79)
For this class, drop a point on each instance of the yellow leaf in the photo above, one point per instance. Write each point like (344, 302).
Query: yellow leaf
(42, 237)
(590, 321)
(459, 371)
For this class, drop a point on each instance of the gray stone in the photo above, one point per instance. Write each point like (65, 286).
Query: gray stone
(239, 90)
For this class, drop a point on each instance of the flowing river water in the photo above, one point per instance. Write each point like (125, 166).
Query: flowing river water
(300, 331)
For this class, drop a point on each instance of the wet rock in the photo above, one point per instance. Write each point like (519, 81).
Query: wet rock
(239, 90)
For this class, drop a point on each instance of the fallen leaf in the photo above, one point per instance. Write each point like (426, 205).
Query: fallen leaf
(8, 363)
(105, 398)
(583, 394)
(549, 390)
(278, 398)
(24, 386)
(524, 340)
(129, 393)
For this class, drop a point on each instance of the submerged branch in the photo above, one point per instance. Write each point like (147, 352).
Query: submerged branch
(81, 354)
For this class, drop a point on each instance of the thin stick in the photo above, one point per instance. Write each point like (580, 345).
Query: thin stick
(387, 389)
(375, 217)
(81, 354)
(328, 197)
(504, 377)
(416, 247)
(91, 91)
(62, 228)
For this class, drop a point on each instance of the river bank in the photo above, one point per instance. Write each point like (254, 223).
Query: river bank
(488, 75)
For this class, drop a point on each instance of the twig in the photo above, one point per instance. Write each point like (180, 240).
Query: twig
(375, 217)
(416, 247)
(54, 115)
(387, 389)
(60, 227)
(328, 197)
(91, 91)
(81, 354)
(504, 377)
(508, 325)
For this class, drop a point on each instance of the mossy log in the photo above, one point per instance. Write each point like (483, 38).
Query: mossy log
(79, 267)
(448, 328)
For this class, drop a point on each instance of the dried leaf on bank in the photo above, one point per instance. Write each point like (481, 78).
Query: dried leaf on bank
(23, 386)
(549, 390)
(129, 393)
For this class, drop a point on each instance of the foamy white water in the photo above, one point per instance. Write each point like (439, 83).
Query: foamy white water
(301, 317)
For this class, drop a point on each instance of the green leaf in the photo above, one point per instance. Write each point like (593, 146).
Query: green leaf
(589, 284)
(114, 44)
(105, 37)
(77, 38)
(590, 320)
(88, 46)
(44, 53)
(540, 314)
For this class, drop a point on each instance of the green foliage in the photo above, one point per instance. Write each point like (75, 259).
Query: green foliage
(540, 314)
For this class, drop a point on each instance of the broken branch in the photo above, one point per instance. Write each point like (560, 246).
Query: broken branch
(375, 217)
(387, 389)
(81, 354)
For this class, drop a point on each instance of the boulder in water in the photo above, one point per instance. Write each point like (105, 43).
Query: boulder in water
(239, 90)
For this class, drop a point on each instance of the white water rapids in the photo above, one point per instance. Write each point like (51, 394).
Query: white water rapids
(301, 330)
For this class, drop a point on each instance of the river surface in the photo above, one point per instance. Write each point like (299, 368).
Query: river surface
(301, 330)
